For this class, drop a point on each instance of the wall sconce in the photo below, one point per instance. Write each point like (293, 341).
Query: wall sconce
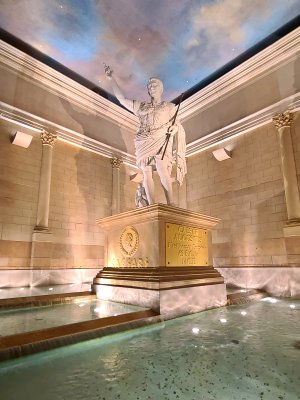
(22, 139)
(222, 154)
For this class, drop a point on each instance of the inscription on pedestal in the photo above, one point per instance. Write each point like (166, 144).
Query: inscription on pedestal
(130, 262)
(186, 246)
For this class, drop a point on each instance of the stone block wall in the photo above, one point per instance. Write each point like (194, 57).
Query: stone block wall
(81, 193)
(247, 193)
(250, 248)
(81, 188)
(127, 188)
(19, 185)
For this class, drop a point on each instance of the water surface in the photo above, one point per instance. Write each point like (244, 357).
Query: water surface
(28, 319)
(235, 353)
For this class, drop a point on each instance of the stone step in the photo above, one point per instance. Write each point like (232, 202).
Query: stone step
(19, 345)
(245, 296)
(46, 300)
(158, 278)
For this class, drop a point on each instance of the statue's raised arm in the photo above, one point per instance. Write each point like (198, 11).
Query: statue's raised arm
(116, 89)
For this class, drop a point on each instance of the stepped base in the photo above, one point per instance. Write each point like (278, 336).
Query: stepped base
(171, 292)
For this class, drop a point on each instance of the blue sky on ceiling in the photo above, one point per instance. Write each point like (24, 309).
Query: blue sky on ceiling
(180, 41)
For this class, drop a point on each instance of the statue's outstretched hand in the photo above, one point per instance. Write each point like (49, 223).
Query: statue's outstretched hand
(108, 71)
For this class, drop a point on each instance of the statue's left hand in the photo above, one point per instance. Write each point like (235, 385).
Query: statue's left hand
(172, 130)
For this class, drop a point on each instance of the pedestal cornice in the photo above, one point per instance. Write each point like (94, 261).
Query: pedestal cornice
(160, 212)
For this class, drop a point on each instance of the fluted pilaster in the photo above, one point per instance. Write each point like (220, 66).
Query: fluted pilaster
(116, 197)
(48, 140)
(283, 122)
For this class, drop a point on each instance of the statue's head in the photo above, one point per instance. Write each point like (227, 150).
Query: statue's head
(155, 86)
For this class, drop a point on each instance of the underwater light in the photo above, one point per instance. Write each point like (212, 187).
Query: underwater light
(21, 288)
(195, 330)
(269, 299)
(50, 288)
(292, 306)
(243, 291)
(243, 312)
(81, 305)
(223, 320)
(97, 309)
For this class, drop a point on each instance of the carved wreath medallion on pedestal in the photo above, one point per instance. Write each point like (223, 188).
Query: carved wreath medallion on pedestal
(129, 241)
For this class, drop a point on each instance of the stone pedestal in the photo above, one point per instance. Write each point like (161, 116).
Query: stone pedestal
(160, 257)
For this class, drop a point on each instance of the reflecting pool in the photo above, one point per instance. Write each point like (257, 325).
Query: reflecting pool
(34, 318)
(248, 352)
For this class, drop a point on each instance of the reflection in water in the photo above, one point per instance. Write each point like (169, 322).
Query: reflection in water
(34, 318)
(254, 355)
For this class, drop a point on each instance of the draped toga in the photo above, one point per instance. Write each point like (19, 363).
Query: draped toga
(151, 139)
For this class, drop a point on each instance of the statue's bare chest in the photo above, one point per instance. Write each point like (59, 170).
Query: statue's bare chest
(153, 116)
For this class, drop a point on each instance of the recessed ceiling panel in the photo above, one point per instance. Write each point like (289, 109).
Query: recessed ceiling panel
(180, 41)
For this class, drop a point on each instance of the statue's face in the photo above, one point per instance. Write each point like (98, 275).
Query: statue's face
(155, 88)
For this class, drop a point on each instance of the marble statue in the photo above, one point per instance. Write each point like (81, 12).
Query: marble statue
(159, 137)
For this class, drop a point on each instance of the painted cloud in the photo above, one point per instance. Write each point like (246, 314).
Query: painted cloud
(180, 41)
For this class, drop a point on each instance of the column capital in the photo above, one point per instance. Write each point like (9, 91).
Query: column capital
(48, 138)
(116, 162)
(284, 119)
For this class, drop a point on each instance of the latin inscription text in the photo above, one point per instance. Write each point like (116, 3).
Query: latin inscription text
(185, 246)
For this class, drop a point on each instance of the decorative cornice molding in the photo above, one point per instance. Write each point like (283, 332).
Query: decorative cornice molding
(268, 59)
(284, 119)
(283, 51)
(37, 124)
(244, 125)
(55, 82)
(31, 69)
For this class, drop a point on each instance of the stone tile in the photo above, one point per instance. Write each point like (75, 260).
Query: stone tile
(16, 249)
(293, 245)
(3, 261)
(222, 249)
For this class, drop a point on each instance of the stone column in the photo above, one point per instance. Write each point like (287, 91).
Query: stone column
(48, 140)
(115, 204)
(283, 123)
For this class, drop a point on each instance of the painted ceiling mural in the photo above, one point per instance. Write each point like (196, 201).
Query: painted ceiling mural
(180, 41)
